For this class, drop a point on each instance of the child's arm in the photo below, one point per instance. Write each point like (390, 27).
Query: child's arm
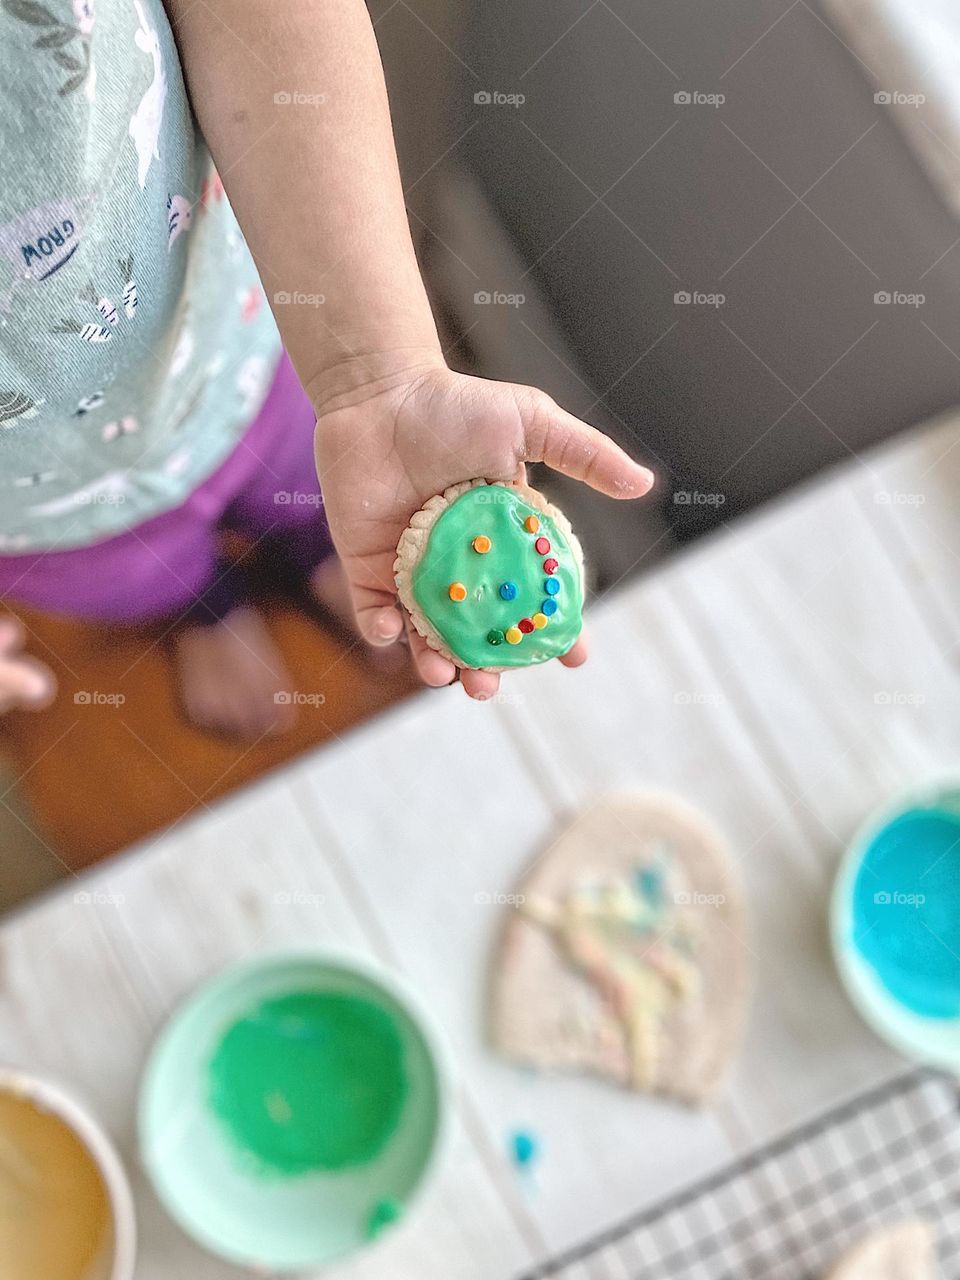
(291, 99)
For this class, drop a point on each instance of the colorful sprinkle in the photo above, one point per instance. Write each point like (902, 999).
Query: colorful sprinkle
(551, 565)
(531, 524)
(457, 591)
(552, 586)
(525, 625)
(482, 544)
(540, 620)
(494, 637)
(542, 546)
(549, 606)
(508, 591)
(513, 635)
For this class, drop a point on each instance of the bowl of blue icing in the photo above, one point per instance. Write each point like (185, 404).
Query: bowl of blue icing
(895, 924)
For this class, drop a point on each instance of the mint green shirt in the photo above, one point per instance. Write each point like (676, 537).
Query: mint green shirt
(136, 345)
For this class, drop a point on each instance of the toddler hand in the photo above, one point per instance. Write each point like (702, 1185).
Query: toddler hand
(392, 439)
(24, 682)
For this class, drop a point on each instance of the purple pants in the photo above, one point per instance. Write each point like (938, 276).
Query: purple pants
(266, 490)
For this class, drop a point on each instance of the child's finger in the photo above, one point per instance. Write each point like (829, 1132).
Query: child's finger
(434, 670)
(380, 625)
(577, 655)
(480, 684)
(566, 444)
(378, 619)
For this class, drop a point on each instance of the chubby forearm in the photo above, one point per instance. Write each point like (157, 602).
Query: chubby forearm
(290, 97)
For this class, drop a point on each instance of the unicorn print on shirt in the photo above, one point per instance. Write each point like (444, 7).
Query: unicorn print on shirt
(148, 117)
(179, 217)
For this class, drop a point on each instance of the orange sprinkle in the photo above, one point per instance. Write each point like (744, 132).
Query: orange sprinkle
(513, 635)
(482, 544)
(531, 524)
(539, 620)
(457, 591)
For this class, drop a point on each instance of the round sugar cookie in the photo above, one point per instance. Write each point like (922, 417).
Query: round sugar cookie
(492, 576)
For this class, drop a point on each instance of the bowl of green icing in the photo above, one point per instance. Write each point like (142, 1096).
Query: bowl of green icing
(291, 1110)
(895, 924)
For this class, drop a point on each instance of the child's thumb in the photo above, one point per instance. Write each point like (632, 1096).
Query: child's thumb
(578, 450)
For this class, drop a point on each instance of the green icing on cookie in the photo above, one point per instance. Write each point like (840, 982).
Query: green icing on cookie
(478, 628)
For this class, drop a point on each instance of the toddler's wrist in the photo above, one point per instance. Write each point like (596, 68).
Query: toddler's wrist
(360, 377)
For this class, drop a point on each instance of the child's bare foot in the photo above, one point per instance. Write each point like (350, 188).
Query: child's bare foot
(329, 587)
(230, 674)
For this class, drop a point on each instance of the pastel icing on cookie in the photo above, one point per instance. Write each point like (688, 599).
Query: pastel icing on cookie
(627, 955)
(904, 1251)
(492, 576)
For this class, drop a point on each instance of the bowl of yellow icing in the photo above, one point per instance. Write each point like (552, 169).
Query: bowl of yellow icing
(66, 1210)
(292, 1110)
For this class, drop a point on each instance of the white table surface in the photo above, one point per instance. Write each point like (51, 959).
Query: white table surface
(785, 676)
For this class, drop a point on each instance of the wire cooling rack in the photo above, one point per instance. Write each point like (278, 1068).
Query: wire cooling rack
(789, 1210)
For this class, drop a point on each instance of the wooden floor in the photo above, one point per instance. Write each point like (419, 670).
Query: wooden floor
(97, 773)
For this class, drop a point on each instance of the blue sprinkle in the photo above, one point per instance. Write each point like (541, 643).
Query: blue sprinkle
(549, 607)
(524, 1147)
(551, 586)
(508, 591)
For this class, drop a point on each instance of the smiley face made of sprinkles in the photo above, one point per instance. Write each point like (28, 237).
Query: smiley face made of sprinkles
(492, 576)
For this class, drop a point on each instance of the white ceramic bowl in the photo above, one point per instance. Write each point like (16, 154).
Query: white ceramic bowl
(119, 1261)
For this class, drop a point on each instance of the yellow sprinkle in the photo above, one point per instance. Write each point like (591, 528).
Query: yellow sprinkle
(513, 635)
(539, 620)
(457, 591)
(482, 544)
(531, 524)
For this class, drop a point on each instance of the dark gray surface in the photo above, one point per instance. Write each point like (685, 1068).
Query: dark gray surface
(788, 374)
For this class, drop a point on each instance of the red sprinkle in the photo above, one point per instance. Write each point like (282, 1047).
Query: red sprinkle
(551, 566)
(542, 545)
(525, 625)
